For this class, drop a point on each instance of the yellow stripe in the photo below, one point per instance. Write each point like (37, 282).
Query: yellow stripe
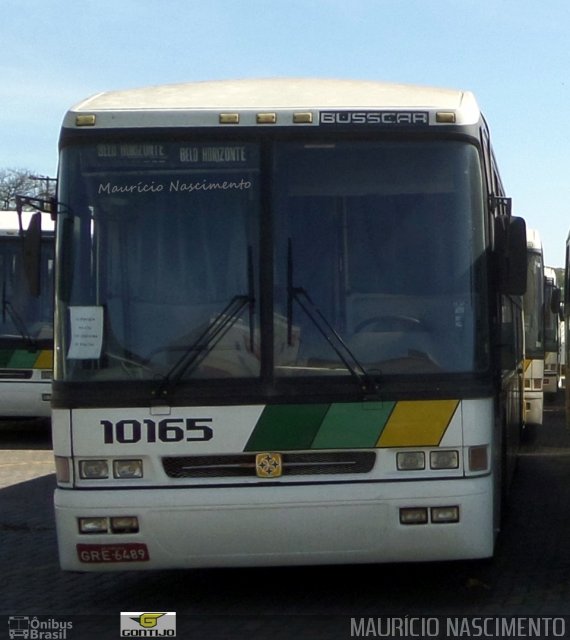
(417, 423)
(44, 360)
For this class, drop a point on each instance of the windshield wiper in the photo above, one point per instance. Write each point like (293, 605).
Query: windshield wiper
(365, 381)
(200, 348)
(196, 352)
(17, 320)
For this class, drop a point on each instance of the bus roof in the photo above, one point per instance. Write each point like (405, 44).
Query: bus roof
(533, 239)
(549, 272)
(9, 225)
(280, 94)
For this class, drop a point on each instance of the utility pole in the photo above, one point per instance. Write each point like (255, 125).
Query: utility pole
(46, 193)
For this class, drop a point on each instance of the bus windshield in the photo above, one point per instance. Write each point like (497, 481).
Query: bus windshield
(27, 316)
(375, 252)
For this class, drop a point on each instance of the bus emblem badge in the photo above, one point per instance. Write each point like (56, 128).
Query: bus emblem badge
(268, 465)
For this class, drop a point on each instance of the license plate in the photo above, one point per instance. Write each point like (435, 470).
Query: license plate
(103, 553)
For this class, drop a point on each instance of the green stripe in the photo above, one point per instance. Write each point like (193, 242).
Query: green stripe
(18, 358)
(319, 426)
(353, 425)
(287, 427)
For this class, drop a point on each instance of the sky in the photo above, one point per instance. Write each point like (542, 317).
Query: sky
(513, 54)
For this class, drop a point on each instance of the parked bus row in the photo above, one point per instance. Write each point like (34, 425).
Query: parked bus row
(291, 319)
(542, 319)
(553, 322)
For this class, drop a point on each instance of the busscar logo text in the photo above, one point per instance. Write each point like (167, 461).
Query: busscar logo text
(375, 117)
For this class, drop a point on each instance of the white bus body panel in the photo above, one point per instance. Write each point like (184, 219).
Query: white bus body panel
(26, 398)
(533, 396)
(551, 373)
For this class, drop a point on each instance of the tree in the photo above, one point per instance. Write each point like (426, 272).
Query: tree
(24, 183)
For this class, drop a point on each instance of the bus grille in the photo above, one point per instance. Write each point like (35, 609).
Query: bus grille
(16, 374)
(294, 464)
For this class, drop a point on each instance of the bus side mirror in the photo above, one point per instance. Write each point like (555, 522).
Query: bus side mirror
(510, 241)
(32, 252)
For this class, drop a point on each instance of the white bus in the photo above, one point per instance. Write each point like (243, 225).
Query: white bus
(533, 303)
(552, 319)
(26, 323)
(265, 353)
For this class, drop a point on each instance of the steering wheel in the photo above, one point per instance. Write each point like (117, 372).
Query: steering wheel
(391, 323)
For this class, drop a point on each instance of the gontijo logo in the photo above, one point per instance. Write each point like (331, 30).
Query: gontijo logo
(147, 624)
(148, 620)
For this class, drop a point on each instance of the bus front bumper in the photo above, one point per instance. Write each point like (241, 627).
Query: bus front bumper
(278, 525)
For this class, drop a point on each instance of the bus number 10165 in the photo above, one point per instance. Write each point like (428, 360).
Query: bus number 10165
(149, 431)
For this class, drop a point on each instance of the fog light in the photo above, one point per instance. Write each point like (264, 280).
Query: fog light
(93, 469)
(128, 468)
(125, 524)
(478, 458)
(442, 515)
(410, 460)
(93, 525)
(444, 459)
(413, 515)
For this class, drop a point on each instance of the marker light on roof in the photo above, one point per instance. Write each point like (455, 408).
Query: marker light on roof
(229, 118)
(445, 117)
(303, 118)
(86, 120)
(266, 118)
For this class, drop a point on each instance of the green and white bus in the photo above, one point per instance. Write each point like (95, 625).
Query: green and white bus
(26, 323)
(288, 327)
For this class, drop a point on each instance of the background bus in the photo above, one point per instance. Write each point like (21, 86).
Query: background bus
(562, 352)
(290, 311)
(26, 323)
(552, 321)
(534, 331)
(566, 329)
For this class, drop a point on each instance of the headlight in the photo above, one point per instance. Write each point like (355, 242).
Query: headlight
(414, 515)
(93, 469)
(128, 469)
(444, 515)
(124, 524)
(93, 525)
(410, 460)
(444, 459)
